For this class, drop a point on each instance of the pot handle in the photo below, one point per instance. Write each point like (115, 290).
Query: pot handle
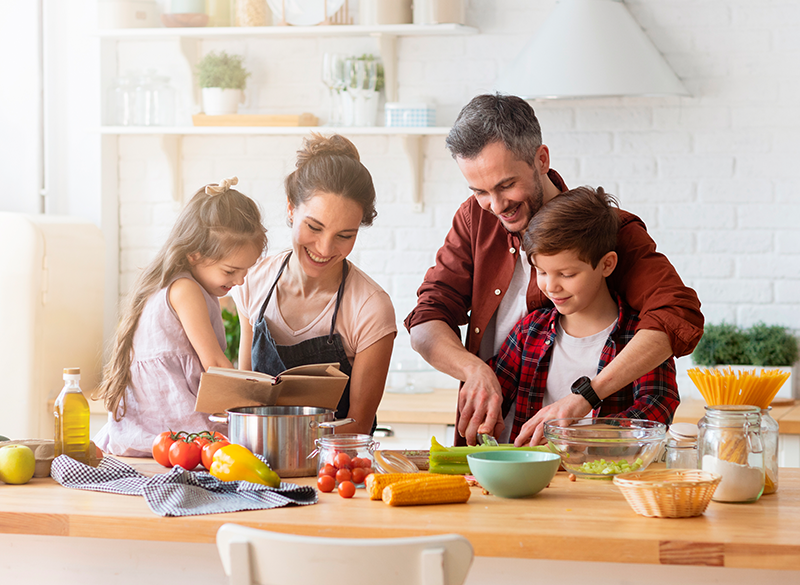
(218, 418)
(334, 423)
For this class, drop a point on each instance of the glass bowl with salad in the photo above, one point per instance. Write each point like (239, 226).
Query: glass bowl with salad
(601, 448)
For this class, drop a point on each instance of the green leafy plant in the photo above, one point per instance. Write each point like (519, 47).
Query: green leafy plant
(232, 334)
(222, 70)
(760, 345)
(771, 345)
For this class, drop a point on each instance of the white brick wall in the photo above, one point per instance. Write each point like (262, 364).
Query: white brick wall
(715, 176)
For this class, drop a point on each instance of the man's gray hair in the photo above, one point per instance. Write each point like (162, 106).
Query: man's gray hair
(496, 118)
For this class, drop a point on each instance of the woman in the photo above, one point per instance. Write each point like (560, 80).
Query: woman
(309, 304)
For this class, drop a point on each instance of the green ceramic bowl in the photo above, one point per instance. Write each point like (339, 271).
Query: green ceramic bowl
(513, 474)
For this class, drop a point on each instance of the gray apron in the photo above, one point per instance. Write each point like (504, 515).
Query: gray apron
(271, 358)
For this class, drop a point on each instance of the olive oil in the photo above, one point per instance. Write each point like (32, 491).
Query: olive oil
(72, 419)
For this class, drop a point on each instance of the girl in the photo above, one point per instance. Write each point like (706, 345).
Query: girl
(309, 304)
(172, 330)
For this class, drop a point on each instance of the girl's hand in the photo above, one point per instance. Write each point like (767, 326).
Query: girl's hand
(186, 297)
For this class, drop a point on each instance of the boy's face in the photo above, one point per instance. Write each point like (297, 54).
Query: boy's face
(572, 284)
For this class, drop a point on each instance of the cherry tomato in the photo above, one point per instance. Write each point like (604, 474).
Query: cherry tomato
(343, 475)
(185, 453)
(208, 450)
(328, 469)
(342, 461)
(326, 483)
(347, 489)
(202, 440)
(161, 446)
(355, 462)
(359, 473)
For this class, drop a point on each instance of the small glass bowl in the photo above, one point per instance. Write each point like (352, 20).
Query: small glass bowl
(601, 448)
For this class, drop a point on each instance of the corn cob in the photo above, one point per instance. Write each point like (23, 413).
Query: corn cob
(427, 489)
(375, 482)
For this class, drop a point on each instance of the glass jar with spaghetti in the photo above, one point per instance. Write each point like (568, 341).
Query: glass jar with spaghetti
(730, 445)
(769, 436)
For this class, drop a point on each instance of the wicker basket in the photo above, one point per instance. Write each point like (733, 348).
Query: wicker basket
(668, 493)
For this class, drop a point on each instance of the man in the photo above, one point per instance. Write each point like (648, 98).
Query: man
(481, 279)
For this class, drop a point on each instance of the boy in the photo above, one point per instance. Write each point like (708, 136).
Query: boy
(570, 243)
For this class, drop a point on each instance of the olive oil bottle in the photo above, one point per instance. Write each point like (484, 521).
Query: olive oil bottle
(72, 419)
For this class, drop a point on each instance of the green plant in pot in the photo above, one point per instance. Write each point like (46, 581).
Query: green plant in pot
(222, 78)
(760, 346)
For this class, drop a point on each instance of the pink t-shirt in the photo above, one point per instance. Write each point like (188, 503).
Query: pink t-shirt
(366, 314)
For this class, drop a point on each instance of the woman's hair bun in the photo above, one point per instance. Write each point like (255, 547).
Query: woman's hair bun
(320, 146)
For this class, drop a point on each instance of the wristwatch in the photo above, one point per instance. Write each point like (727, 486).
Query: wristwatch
(583, 386)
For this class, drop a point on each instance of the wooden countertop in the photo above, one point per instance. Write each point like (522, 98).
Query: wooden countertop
(437, 407)
(584, 520)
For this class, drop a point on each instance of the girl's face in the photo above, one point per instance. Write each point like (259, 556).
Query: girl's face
(324, 231)
(219, 277)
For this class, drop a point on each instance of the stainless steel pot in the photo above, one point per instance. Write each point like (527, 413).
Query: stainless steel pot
(285, 435)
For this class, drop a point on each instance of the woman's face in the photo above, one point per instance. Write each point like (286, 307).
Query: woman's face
(324, 231)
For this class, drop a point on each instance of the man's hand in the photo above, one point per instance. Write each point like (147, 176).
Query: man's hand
(572, 406)
(480, 403)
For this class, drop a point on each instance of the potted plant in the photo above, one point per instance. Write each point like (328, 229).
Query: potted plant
(222, 78)
(757, 347)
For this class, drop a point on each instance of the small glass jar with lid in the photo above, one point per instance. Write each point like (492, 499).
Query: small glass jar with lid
(344, 456)
(770, 437)
(681, 448)
(730, 445)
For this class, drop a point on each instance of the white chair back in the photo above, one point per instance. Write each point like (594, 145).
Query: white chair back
(258, 557)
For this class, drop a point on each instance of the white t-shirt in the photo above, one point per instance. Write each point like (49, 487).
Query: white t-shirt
(571, 358)
(366, 314)
(513, 307)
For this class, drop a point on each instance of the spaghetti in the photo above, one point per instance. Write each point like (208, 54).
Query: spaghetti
(726, 386)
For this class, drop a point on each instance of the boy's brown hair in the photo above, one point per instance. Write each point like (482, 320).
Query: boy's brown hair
(583, 219)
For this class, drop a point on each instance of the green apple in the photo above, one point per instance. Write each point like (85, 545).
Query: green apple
(17, 464)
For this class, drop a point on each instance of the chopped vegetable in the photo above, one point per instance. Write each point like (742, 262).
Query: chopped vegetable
(603, 467)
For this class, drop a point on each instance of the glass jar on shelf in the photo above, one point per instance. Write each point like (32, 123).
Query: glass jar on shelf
(770, 438)
(120, 102)
(730, 444)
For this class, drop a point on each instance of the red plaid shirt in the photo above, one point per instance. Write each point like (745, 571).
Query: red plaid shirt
(524, 359)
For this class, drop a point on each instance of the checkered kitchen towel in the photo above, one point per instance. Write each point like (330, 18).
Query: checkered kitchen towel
(179, 492)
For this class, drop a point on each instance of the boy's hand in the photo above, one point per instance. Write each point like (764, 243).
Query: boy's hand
(572, 406)
(480, 404)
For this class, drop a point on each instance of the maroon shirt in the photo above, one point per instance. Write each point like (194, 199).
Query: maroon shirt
(474, 268)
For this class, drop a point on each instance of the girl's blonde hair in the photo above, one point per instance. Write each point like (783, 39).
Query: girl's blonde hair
(215, 222)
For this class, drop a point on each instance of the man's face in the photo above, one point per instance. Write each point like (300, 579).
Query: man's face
(502, 184)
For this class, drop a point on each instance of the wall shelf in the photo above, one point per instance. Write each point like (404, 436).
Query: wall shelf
(277, 130)
(233, 32)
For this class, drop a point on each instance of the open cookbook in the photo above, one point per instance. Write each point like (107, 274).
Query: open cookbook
(318, 385)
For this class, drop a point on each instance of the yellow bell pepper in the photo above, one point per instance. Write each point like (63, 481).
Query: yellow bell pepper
(237, 463)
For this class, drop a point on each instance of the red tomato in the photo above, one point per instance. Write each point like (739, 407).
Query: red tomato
(218, 436)
(202, 440)
(161, 445)
(208, 450)
(355, 462)
(328, 469)
(342, 461)
(343, 475)
(359, 473)
(185, 453)
(326, 483)
(347, 489)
